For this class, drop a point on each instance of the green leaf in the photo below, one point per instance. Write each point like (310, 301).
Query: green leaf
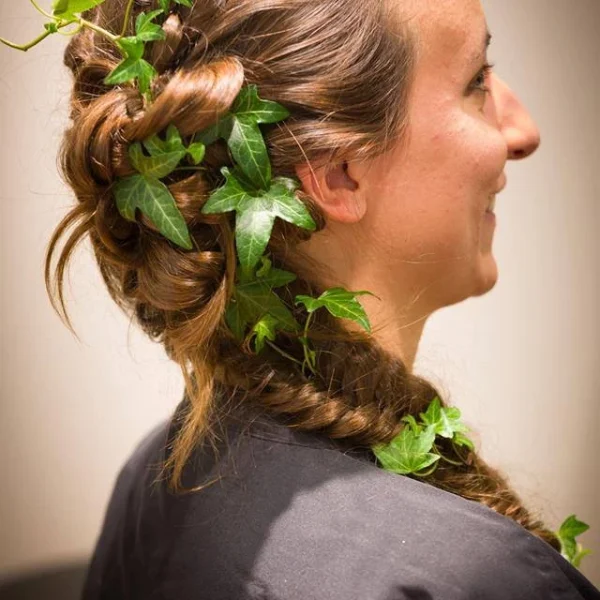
(52, 27)
(264, 329)
(154, 199)
(570, 548)
(246, 140)
(66, 9)
(461, 440)
(220, 129)
(130, 69)
(133, 66)
(340, 303)
(256, 212)
(249, 107)
(131, 47)
(166, 4)
(264, 270)
(581, 553)
(172, 145)
(197, 152)
(147, 31)
(446, 420)
(416, 427)
(272, 276)
(249, 150)
(159, 165)
(235, 320)
(278, 278)
(572, 527)
(251, 303)
(408, 452)
(244, 137)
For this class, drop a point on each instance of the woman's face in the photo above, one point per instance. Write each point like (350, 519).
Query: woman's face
(412, 225)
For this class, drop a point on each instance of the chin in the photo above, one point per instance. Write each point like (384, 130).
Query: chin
(487, 275)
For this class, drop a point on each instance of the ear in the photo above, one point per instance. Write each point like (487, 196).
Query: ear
(339, 195)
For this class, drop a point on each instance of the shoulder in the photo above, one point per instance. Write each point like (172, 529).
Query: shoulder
(294, 515)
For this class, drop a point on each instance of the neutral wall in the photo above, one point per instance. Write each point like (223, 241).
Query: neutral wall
(521, 362)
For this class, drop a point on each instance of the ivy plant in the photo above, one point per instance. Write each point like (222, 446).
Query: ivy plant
(413, 450)
(255, 313)
(569, 547)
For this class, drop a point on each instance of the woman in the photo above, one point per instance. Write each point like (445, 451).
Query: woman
(398, 133)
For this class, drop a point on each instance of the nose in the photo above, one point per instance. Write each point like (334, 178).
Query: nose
(519, 129)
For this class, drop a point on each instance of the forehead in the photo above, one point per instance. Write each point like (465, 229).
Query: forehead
(446, 29)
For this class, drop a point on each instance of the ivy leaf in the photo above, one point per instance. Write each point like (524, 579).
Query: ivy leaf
(251, 303)
(264, 329)
(158, 165)
(166, 4)
(408, 452)
(250, 152)
(340, 303)
(235, 320)
(272, 276)
(570, 548)
(133, 66)
(256, 212)
(446, 420)
(278, 278)
(197, 152)
(173, 144)
(154, 199)
(249, 107)
(265, 269)
(461, 440)
(220, 129)
(246, 141)
(145, 30)
(66, 9)
(240, 127)
(416, 427)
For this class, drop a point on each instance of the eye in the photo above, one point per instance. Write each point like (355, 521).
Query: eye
(478, 84)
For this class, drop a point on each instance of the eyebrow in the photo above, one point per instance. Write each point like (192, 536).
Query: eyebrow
(486, 42)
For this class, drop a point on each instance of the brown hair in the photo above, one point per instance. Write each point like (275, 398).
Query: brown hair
(343, 68)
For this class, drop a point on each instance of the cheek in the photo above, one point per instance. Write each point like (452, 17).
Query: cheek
(475, 150)
(430, 199)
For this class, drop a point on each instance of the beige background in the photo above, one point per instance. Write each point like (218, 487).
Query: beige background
(521, 362)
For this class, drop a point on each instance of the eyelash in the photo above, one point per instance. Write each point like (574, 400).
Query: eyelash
(485, 71)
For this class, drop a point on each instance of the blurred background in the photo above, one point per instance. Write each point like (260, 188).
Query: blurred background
(522, 362)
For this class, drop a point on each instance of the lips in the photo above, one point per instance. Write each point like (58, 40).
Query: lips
(503, 184)
(492, 204)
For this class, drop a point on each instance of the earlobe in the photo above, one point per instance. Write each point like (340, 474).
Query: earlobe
(337, 194)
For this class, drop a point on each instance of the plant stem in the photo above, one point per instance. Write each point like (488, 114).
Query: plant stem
(126, 19)
(42, 10)
(282, 352)
(426, 473)
(26, 47)
(106, 34)
(189, 169)
(76, 30)
(452, 462)
(305, 346)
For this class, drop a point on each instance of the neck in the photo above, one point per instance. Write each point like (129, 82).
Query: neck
(396, 316)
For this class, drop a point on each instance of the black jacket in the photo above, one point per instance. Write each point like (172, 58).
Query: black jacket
(296, 516)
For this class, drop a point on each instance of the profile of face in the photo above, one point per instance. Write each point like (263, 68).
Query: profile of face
(412, 225)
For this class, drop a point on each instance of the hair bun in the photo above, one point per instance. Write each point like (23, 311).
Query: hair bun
(163, 50)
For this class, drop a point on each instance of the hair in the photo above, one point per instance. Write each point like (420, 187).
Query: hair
(343, 68)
